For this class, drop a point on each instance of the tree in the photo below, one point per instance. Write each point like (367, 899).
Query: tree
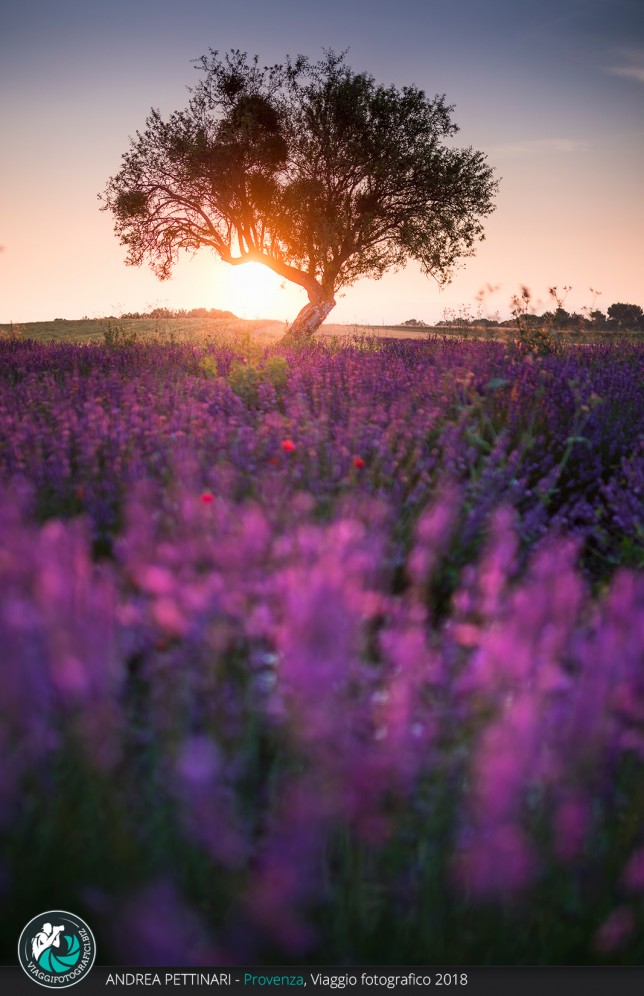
(560, 318)
(598, 319)
(626, 316)
(309, 168)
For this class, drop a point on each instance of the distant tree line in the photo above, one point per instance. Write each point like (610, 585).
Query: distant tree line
(618, 318)
(180, 313)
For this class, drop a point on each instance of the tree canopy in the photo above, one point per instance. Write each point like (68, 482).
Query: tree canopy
(314, 170)
(626, 316)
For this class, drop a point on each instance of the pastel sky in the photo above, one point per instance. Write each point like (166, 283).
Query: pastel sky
(552, 92)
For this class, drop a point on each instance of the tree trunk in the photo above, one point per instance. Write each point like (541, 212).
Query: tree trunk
(307, 322)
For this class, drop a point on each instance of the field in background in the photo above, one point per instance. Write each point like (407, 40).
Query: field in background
(264, 331)
(179, 329)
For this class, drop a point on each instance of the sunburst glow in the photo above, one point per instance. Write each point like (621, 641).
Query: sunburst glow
(253, 291)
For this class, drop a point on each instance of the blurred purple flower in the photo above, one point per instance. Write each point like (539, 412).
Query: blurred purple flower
(571, 826)
(615, 931)
(633, 874)
(155, 926)
(495, 862)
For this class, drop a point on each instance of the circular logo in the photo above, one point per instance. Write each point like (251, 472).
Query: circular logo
(56, 949)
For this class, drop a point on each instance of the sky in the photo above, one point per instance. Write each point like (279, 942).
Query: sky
(552, 92)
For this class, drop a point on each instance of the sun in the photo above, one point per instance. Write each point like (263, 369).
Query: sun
(251, 290)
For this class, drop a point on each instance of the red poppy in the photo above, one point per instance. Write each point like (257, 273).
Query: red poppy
(358, 462)
(288, 445)
(207, 497)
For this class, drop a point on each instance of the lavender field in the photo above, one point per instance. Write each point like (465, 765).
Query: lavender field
(332, 656)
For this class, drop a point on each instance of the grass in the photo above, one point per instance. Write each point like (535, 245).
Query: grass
(93, 330)
(264, 331)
